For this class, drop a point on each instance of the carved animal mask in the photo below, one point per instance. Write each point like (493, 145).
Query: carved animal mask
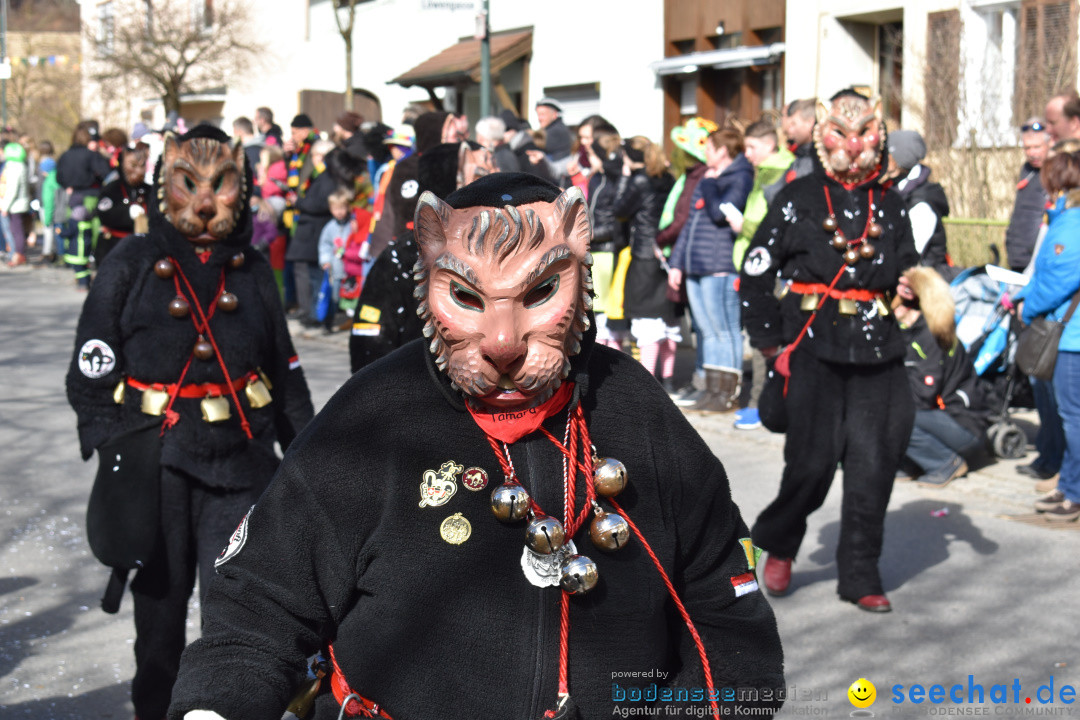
(134, 165)
(504, 295)
(849, 137)
(201, 187)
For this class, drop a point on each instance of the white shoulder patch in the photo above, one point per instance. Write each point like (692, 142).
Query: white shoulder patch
(757, 261)
(409, 188)
(96, 359)
(236, 542)
(105, 204)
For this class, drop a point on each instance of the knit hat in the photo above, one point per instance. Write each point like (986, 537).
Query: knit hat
(511, 119)
(350, 121)
(691, 137)
(402, 136)
(302, 121)
(139, 130)
(549, 102)
(907, 148)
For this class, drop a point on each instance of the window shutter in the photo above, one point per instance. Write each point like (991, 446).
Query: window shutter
(942, 80)
(1045, 54)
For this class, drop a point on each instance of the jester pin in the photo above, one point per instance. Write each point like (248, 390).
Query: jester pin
(438, 487)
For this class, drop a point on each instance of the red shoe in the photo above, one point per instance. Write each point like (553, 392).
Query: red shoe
(777, 575)
(873, 603)
(17, 259)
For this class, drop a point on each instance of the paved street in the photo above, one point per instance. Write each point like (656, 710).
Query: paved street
(974, 593)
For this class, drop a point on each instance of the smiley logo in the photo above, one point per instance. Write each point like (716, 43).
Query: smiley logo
(862, 693)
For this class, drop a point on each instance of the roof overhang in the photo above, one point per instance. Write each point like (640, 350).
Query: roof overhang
(726, 59)
(460, 63)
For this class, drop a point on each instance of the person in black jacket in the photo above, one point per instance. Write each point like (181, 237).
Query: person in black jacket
(396, 537)
(842, 241)
(925, 200)
(1030, 203)
(81, 171)
(183, 328)
(951, 416)
(609, 234)
(123, 201)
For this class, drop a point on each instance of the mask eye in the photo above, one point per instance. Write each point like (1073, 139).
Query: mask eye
(189, 184)
(466, 298)
(542, 292)
(219, 183)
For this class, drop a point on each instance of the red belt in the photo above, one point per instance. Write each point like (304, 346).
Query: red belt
(195, 390)
(356, 706)
(823, 289)
(118, 234)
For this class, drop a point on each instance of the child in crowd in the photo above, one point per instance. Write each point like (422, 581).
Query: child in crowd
(15, 200)
(50, 198)
(332, 243)
(268, 234)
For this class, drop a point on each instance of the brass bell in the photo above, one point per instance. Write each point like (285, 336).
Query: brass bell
(866, 251)
(215, 408)
(829, 224)
(118, 393)
(848, 306)
(179, 307)
(258, 394)
(609, 531)
(851, 256)
(203, 350)
(883, 307)
(809, 302)
(164, 269)
(154, 401)
(609, 477)
(578, 575)
(510, 502)
(236, 260)
(227, 302)
(874, 230)
(544, 535)
(839, 242)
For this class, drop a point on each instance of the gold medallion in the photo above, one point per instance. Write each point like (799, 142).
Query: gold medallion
(455, 529)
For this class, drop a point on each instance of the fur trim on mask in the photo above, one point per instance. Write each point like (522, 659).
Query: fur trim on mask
(935, 302)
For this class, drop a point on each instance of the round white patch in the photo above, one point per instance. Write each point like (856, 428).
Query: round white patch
(236, 542)
(409, 188)
(96, 359)
(105, 204)
(757, 261)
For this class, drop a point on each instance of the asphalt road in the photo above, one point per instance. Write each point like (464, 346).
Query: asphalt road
(975, 593)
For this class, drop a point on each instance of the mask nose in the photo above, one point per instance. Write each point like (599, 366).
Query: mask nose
(504, 347)
(204, 207)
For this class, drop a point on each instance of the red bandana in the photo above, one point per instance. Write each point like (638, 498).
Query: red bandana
(512, 426)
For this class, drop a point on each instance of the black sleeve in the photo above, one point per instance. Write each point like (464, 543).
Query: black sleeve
(386, 311)
(100, 166)
(628, 195)
(757, 280)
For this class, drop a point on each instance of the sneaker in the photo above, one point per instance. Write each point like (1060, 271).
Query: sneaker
(689, 396)
(943, 476)
(1049, 501)
(1067, 511)
(747, 419)
(1035, 471)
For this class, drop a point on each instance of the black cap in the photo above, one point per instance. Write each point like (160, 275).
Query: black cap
(302, 121)
(502, 189)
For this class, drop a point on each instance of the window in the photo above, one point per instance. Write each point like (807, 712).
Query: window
(726, 41)
(106, 28)
(1046, 54)
(688, 96)
(578, 101)
(942, 78)
(202, 15)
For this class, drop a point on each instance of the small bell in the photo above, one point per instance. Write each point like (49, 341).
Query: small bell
(510, 502)
(203, 350)
(609, 476)
(214, 408)
(851, 256)
(544, 535)
(257, 393)
(179, 307)
(236, 261)
(578, 575)
(874, 230)
(609, 531)
(829, 224)
(227, 302)
(839, 242)
(866, 251)
(164, 269)
(154, 401)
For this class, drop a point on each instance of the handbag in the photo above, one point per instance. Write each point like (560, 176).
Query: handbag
(326, 296)
(1037, 346)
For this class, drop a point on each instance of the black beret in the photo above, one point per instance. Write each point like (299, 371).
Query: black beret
(302, 121)
(502, 189)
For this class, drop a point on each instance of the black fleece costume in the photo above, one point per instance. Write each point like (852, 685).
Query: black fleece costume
(211, 473)
(114, 211)
(338, 549)
(848, 399)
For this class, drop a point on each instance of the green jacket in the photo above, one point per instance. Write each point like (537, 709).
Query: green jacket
(50, 189)
(768, 172)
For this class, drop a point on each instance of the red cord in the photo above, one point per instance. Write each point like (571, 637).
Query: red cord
(869, 214)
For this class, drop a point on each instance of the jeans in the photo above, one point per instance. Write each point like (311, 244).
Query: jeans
(1067, 392)
(937, 439)
(1050, 440)
(714, 303)
(308, 276)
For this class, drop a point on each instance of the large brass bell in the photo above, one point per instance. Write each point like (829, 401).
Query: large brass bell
(544, 535)
(866, 251)
(609, 531)
(203, 350)
(839, 242)
(164, 269)
(874, 230)
(258, 394)
(847, 306)
(215, 408)
(179, 307)
(578, 575)
(154, 401)
(609, 476)
(851, 256)
(227, 302)
(510, 502)
(809, 302)
(829, 224)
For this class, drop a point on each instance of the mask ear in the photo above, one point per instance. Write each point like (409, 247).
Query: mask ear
(169, 152)
(822, 112)
(572, 221)
(429, 222)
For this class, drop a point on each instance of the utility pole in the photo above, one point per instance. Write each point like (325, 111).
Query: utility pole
(4, 59)
(485, 62)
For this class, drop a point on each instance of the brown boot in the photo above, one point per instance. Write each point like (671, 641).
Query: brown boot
(730, 388)
(722, 386)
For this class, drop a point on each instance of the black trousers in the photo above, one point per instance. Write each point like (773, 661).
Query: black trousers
(855, 416)
(196, 524)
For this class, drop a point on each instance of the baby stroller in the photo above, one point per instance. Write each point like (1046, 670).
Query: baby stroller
(989, 332)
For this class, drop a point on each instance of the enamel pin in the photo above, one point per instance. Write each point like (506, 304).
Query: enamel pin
(438, 487)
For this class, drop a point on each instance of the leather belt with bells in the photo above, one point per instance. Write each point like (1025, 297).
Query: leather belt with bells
(214, 405)
(847, 299)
